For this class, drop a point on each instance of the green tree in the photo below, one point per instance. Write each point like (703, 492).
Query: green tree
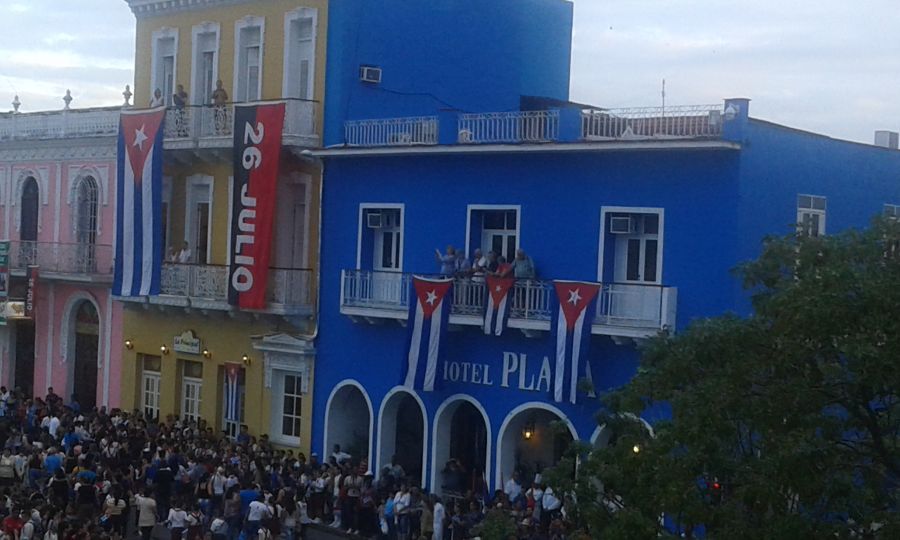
(784, 423)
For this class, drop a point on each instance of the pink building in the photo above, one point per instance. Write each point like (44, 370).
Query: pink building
(57, 209)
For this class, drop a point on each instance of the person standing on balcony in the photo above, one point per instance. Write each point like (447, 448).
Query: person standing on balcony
(184, 255)
(522, 266)
(157, 99)
(447, 261)
(179, 99)
(220, 100)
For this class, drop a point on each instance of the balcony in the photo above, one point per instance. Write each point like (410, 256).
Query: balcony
(205, 287)
(210, 127)
(623, 310)
(67, 262)
(685, 122)
(99, 122)
(509, 127)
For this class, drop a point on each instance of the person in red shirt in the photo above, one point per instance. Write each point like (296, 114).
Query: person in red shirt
(12, 525)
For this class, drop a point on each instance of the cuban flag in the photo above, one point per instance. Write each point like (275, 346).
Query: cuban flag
(139, 202)
(429, 311)
(233, 392)
(572, 320)
(496, 311)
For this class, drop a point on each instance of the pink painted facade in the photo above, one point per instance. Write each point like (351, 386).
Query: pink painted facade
(67, 229)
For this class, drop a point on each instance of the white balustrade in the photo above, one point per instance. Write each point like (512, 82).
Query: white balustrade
(286, 287)
(59, 124)
(509, 127)
(421, 130)
(61, 258)
(685, 122)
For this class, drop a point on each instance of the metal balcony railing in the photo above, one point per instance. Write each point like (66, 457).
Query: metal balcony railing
(681, 122)
(619, 304)
(60, 124)
(216, 121)
(419, 130)
(286, 287)
(60, 258)
(509, 127)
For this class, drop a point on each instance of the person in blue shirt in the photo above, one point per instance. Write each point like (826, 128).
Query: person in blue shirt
(53, 461)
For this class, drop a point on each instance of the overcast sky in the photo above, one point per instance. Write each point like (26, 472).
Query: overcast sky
(825, 65)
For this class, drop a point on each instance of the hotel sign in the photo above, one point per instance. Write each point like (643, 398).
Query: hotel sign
(188, 342)
(515, 373)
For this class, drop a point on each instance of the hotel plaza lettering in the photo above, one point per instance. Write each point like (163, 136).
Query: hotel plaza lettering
(514, 373)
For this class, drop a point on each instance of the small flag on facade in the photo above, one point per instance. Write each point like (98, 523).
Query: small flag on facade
(496, 312)
(232, 392)
(139, 203)
(429, 312)
(571, 328)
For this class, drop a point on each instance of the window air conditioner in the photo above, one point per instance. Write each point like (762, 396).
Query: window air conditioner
(370, 74)
(621, 225)
(373, 220)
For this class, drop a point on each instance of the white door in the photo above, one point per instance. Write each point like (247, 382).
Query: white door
(635, 296)
(150, 399)
(387, 281)
(190, 397)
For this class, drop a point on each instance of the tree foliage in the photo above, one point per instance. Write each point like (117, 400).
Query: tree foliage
(784, 423)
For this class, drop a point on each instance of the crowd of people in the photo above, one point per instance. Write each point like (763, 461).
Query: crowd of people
(454, 263)
(68, 474)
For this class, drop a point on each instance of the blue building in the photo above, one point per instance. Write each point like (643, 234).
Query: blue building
(656, 205)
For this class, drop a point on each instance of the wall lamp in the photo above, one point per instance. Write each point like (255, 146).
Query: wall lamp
(246, 360)
(129, 344)
(164, 349)
(528, 430)
(206, 354)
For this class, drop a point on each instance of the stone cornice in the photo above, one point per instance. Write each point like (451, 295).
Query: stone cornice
(83, 148)
(149, 8)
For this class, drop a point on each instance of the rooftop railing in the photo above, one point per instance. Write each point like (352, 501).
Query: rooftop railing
(683, 122)
(288, 289)
(63, 124)
(623, 305)
(214, 122)
(509, 127)
(419, 130)
(62, 258)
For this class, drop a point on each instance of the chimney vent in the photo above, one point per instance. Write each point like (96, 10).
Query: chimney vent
(887, 139)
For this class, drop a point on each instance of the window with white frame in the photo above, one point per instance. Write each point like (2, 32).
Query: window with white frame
(386, 227)
(811, 211)
(164, 63)
(150, 385)
(191, 385)
(299, 53)
(248, 59)
(631, 246)
(291, 405)
(892, 211)
(494, 228)
(205, 67)
(198, 218)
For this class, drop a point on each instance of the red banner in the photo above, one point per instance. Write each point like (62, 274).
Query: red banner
(31, 278)
(257, 152)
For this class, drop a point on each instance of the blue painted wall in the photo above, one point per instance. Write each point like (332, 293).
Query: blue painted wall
(466, 55)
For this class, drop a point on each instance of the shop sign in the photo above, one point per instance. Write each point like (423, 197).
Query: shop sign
(188, 342)
(515, 373)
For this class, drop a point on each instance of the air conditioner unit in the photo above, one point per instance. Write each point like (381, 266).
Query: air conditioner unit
(374, 220)
(465, 136)
(370, 74)
(621, 225)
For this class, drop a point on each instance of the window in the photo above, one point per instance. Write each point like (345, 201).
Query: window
(387, 232)
(150, 385)
(811, 215)
(631, 245)
(198, 218)
(86, 223)
(248, 59)
(380, 248)
(493, 229)
(892, 211)
(205, 66)
(164, 63)
(191, 385)
(299, 53)
(291, 215)
(292, 396)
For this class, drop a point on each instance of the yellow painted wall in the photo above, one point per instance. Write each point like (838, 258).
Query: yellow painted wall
(227, 339)
(273, 47)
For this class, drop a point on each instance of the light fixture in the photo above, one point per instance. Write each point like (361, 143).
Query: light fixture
(206, 354)
(528, 430)
(164, 349)
(636, 449)
(129, 344)
(245, 359)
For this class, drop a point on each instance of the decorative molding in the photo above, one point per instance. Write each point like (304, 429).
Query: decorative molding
(67, 346)
(150, 8)
(77, 172)
(34, 151)
(283, 352)
(42, 176)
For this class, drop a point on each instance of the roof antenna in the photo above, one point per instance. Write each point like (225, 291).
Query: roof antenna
(664, 96)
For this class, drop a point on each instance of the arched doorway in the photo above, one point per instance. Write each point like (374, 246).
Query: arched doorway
(529, 442)
(86, 223)
(348, 421)
(463, 431)
(86, 334)
(28, 230)
(401, 434)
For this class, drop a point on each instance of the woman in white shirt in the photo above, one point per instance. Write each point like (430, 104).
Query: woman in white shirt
(177, 521)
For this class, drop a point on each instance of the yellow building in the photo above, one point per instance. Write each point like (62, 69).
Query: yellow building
(181, 346)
